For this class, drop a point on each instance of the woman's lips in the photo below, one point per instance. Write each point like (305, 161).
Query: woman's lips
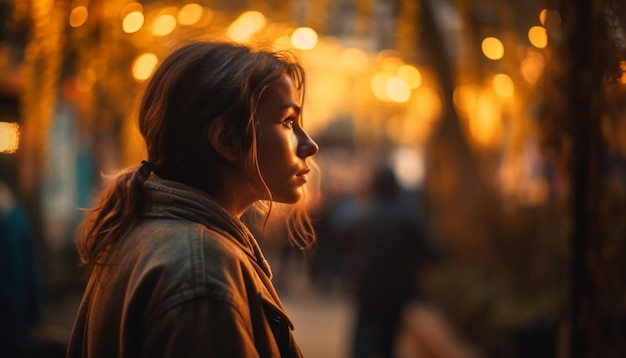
(302, 175)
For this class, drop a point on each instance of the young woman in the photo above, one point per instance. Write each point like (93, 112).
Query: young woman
(174, 271)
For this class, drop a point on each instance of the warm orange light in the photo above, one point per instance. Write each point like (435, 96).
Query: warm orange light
(282, 43)
(503, 86)
(492, 48)
(163, 25)
(538, 36)
(411, 75)
(78, 16)
(190, 14)
(390, 60)
(132, 22)
(532, 67)
(9, 137)
(397, 90)
(326, 93)
(464, 98)
(378, 85)
(391, 63)
(144, 65)
(427, 103)
(131, 7)
(353, 59)
(622, 65)
(86, 79)
(484, 120)
(304, 38)
(246, 25)
(423, 110)
(543, 16)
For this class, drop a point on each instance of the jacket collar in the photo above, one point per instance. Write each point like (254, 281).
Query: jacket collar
(170, 199)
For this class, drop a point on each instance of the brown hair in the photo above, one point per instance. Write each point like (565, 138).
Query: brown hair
(197, 83)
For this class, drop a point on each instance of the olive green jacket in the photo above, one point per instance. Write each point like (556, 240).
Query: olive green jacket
(188, 281)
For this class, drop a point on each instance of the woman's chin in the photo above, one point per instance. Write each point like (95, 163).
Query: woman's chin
(289, 198)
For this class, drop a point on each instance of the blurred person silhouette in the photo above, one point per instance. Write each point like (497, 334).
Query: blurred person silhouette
(174, 271)
(22, 298)
(391, 244)
(332, 225)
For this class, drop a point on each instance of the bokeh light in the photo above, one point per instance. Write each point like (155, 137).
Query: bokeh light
(538, 36)
(411, 75)
(246, 25)
(484, 120)
(503, 86)
(378, 85)
(78, 16)
(144, 65)
(132, 22)
(304, 38)
(397, 90)
(543, 15)
(163, 25)
(464, 99)
(190, 14)
(532, 67)
(492, 48)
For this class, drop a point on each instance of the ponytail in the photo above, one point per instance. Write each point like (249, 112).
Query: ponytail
(113, 216)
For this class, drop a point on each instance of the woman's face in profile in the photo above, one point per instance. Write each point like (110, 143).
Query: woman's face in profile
(283, 146)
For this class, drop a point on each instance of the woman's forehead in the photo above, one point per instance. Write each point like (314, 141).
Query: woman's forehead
(285, 89)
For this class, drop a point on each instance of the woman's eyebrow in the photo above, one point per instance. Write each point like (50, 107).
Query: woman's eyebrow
(293, 107)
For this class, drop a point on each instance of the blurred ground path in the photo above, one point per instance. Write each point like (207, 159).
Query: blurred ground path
(322, 323)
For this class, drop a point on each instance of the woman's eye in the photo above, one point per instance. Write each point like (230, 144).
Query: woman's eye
(289, 122)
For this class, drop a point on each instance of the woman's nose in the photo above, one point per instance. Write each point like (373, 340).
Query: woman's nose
(306, 146)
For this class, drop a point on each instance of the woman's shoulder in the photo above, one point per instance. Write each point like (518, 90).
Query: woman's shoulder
(176, 240)
(186, 245)
(191, 254)
(180, 261)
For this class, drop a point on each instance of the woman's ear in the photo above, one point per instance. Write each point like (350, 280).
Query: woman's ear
(222, 139)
